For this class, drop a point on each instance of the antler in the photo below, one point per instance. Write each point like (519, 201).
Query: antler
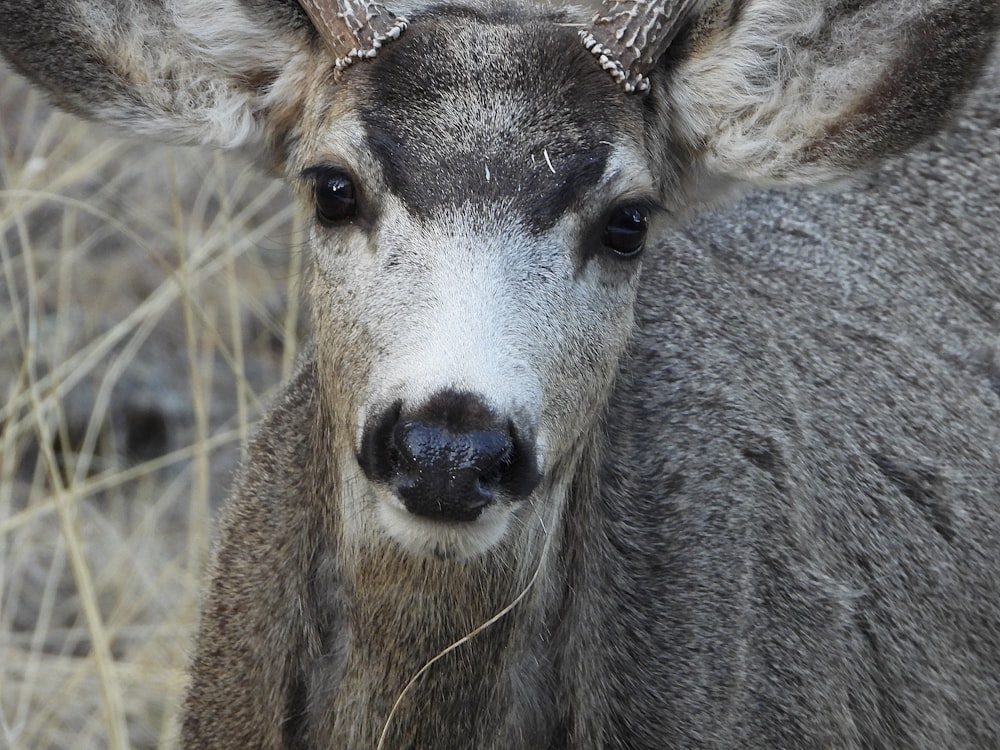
(353, 29)
(633, 34)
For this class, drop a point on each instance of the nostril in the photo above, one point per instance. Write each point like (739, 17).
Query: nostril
(378, 456)
(492, 476)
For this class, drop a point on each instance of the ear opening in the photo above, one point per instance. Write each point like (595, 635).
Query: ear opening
(774, 92)
(181, 71)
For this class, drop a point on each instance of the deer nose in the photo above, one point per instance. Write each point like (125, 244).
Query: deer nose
(449, 475)
(449, 459)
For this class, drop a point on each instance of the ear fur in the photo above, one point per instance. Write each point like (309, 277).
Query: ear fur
(184, 71)
(773, 92)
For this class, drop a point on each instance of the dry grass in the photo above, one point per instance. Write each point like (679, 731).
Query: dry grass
(147, 310)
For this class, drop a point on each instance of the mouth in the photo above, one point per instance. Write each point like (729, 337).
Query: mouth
(443, 539)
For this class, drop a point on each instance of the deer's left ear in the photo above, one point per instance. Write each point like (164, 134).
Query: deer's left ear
(776, 92)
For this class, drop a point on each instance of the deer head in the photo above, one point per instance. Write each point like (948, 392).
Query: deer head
(477, 237)
(479, 224)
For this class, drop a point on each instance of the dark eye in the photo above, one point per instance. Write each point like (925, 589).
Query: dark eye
(336, 201)
(626, 230)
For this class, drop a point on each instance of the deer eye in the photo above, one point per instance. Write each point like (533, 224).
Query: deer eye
(625, 232)
(336, 200)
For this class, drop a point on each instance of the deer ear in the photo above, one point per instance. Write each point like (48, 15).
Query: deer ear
(783, 91)
(183, 71)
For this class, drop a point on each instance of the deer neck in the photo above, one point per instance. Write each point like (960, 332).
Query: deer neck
(406, 658)
(444, 653)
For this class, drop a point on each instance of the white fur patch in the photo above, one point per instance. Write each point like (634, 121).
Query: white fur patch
(463, 328)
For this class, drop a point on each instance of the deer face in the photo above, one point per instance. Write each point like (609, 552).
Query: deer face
(480, 212)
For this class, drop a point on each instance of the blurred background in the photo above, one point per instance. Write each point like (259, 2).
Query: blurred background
(148, 310)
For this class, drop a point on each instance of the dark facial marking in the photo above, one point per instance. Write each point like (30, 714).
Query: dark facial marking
(506, 111)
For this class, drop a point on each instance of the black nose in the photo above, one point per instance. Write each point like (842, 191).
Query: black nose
(448, 459)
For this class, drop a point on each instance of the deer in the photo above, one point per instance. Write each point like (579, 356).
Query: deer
(653, 398)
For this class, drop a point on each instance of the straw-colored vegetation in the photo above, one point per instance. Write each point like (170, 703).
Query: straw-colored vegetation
(147, 311)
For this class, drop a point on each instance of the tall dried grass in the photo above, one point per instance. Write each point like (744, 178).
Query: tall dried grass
(147, 310)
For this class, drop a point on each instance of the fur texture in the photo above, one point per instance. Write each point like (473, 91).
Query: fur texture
(769, 450)
(179, 71)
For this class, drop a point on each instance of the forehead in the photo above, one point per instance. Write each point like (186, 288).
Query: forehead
(507, 109)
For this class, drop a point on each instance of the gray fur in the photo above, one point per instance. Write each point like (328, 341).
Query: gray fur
(771, 505)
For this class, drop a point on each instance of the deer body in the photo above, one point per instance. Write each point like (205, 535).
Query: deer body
(741, 492)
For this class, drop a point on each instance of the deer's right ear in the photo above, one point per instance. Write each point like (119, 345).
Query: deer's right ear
(183, 71)
(773, 92)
